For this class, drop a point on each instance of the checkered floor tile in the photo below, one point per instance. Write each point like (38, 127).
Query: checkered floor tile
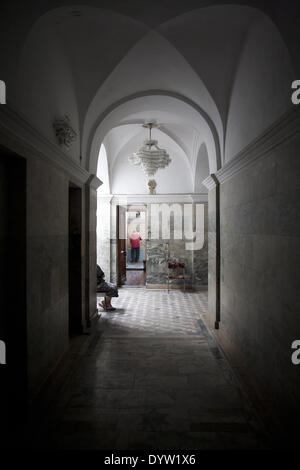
(156, 312)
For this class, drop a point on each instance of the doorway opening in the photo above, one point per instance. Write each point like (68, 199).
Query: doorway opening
(13, 318)
(132, 245)
(75, 270)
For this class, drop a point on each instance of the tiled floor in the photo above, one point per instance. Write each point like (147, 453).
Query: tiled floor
(150, 377)
(155, 312)
(135, 277)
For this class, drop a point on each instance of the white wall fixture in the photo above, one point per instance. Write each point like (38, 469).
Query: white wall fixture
(64, 132)
(150, 159)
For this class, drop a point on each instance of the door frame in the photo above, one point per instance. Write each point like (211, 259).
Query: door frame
(140, 208)
(121, 244)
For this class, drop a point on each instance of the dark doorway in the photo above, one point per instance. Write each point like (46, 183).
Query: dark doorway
(75, 273)
(13, 313)
(136, 258)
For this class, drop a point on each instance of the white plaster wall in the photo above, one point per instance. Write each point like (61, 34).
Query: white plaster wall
(103, 214)
(107, 54)
(153, 64)
(210, 39)
(103, 172)
(261, 89)
(202, 170)
(103, 234)
(46, 88)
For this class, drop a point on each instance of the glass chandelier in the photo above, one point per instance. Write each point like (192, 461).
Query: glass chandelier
(150, 157)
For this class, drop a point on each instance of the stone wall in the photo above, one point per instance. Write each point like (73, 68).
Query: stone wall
(49, 174)
(47, 269)
(260, 271)
(160, 250)
(213, 271)
(200, 257)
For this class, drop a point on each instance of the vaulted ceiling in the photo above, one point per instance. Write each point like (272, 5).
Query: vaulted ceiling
(207, 73)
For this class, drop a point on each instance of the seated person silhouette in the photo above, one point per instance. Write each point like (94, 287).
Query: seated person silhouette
(110, 290)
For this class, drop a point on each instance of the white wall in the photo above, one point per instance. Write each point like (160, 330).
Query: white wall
(103, 172)
(202, 170)
(152, 64)
(261, 89)
(46, 88)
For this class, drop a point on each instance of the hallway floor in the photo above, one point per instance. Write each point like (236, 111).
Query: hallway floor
(135, 277)
(150, 377)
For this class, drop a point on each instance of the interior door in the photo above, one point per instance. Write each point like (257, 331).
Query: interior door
(75, 278)
(13, 319)
(122, 237)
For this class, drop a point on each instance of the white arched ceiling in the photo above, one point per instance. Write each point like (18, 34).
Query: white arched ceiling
(94, 40)
(261, 88)
(47, 90)
(181, 141)
(103, 171)
(152, 64)
(67, 54)
(181, 134)
(178, 118)
(128, 179)
(118, 137)
(202, 170)
(91, 60)
(211, 39)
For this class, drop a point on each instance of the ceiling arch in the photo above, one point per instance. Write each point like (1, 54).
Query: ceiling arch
(202, 170)
(105, 53)
(152, 64)
(152, 103)
(128, 179)
(138, 138)
(126, 132)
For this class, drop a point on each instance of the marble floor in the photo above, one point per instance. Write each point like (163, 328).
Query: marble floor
(135, 277)
(150, 376)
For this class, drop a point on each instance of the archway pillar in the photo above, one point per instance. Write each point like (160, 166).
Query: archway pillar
(90, 248)
(214, 258)
(104, 233)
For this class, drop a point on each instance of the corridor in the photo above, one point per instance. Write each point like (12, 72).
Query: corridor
(178, 121)
(150, 377)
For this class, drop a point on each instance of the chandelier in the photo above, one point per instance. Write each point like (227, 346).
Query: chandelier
(150, 157)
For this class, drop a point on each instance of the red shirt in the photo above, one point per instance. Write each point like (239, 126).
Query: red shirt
(135, 239)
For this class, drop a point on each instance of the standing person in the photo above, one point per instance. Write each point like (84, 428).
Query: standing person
(110, 289)
(135, 241)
